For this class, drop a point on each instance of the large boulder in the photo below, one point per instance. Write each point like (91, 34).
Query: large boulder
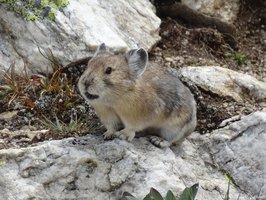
(76, 32)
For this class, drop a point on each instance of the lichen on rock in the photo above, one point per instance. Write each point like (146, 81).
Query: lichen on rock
(35, 9)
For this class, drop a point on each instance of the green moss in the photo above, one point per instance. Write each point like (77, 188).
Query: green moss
(51, 15)
(31, 17)
(2, 163)
(35, 9)
(44, 2)
(7, 1)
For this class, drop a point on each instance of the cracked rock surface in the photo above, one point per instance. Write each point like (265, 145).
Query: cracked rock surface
(240, 150)
(91, 168)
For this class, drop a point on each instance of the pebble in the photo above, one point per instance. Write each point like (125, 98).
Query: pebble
(8, 114)
(225, 105)
(168, 59)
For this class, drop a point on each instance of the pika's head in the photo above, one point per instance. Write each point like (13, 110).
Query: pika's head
(109, 76)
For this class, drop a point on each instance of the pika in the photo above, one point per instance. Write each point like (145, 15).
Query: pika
(134, 97)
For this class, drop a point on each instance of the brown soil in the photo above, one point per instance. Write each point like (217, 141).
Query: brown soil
(181, 45)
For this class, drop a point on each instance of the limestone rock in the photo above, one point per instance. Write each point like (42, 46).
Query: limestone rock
(225, 82)
(77, 31)
(90, 168)
(225, 10)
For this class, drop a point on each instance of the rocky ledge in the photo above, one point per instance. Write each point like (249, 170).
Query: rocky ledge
(91, 168)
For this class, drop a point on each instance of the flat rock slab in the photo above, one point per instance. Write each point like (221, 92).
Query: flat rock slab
(90, 168)
(225, 82)
(77, 31)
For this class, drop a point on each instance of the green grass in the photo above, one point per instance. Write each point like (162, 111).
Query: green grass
(230, 182)
(54, 91)
(239, 58)
(75, 125)
(27, 88)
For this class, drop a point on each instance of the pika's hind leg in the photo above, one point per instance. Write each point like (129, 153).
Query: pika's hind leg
(176, 133)
(167, 137)
(164, 137)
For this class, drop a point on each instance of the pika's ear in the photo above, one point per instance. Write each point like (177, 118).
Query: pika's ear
(101, 49)
(137, 61)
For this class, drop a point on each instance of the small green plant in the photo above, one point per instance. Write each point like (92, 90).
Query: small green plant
(240, 58)
(75, 125)
(188, 194)
(230, 183)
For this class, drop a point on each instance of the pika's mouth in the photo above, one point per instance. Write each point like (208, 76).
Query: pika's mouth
(91, 96)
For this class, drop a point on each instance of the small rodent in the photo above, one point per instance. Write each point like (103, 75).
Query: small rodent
(134, 97)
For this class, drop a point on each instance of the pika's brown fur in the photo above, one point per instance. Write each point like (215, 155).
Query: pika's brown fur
(127, 92)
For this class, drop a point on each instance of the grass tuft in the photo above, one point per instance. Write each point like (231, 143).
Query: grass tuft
(45, 95)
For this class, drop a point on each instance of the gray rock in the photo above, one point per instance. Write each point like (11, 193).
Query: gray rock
(240, 150)
(77, 31)
(225, 10)
(225, 82)
(93, 169)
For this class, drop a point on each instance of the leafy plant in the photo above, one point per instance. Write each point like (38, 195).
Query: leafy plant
(188, 194)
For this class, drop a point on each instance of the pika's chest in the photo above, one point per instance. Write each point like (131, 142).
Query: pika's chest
(138, 114)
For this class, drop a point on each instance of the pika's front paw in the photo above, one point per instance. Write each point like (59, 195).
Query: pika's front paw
(107, 135)
(125, 134)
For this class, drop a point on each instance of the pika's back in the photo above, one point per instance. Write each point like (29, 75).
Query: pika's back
(167, 85)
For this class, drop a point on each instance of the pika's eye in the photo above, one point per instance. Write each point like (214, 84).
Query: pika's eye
(108, 70)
